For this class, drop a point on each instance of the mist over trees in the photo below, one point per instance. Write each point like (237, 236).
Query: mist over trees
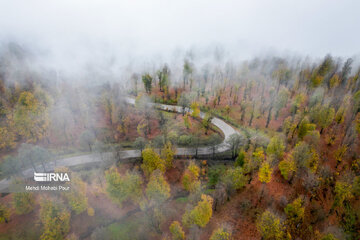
(292, 165)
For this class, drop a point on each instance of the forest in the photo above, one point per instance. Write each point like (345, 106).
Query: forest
(266, 148)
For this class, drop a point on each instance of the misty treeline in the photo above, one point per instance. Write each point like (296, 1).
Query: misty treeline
(308, 97)
(298, 122)
(37, 103)
(305, 113)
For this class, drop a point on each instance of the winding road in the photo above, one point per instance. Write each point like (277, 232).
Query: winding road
(127, 154)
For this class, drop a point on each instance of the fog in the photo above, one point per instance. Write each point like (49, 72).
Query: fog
(72, 34)
(282, 69)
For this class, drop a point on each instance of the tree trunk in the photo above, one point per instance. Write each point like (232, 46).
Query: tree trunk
(269, 117)
(242, 115)
(262, 192)
(251, 118)
(250, 179)
(277, 114)
(291, 178)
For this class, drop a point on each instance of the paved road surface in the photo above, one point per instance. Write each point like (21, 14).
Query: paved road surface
(126, 154)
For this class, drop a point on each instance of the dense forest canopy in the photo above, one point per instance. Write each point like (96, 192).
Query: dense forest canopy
(292, 171)
(174, 120)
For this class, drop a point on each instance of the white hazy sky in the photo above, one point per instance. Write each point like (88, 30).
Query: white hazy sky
(147, 27)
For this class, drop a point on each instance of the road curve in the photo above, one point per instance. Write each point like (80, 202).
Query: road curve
(222, 125)
(127, 154)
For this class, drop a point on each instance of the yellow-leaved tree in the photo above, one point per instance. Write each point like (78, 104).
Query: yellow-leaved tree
(23, 202)
(275, 148)
(152, 161)
(4, 213)
(195, 110)
(287, 168)
(55, 219)
(190, 179)
(157, 192)
(295, 213)
(7, 137)
(270, 226)
(177, 233)
(31, 118)
(265, 172)
(220, 234)
(200, 215)
(167, 154)
(125, 187)
(76, 196)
